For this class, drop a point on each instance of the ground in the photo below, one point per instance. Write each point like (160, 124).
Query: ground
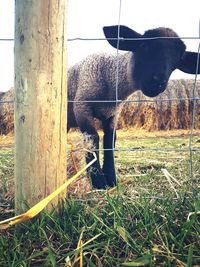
(145, 217)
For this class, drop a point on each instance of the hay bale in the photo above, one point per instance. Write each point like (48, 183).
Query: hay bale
(76, 152)
(173, 112)
(170, 110)
(6, 112)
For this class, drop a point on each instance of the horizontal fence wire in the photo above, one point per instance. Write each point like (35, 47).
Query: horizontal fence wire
(120, 38)
(6, 39)
(135, 150)
(123, 101)
(130, 39)
(6, 101)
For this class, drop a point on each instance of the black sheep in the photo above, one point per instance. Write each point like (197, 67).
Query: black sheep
(146, 66)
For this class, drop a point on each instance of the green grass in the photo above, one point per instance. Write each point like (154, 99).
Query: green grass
(143, 223)
(150, 156)
(114, 231)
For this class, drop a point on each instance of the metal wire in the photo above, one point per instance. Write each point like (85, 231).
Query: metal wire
(134, 100)
(129, 39)
(191, 172)
(6, 39)
(137, 149)
(120, 38)
(116, 82)
(6, 102)
(195, 99)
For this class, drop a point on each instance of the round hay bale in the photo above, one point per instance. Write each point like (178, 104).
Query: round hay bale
(171, 110)
(6, 112)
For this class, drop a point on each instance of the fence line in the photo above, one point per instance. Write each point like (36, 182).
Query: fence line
(120, 38)
(195, 99)
(164, 149)
(192, 128)
(6, 39)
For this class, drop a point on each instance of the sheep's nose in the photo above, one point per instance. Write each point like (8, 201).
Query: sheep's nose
(160, 77)
(159, 80)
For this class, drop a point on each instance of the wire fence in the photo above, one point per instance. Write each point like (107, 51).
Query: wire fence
(194, 98)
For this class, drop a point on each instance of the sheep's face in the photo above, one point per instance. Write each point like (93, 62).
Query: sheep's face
(156, 54)
(155, 59)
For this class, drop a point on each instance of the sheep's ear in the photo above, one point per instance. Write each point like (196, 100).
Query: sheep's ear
(124, 32)
(189, 63)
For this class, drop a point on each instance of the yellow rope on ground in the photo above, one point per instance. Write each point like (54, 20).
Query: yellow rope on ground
(32, 212)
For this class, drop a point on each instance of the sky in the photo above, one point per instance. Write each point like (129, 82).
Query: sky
(85, 18)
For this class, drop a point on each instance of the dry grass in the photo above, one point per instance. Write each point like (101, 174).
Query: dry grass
(6, 112)
(77, 146)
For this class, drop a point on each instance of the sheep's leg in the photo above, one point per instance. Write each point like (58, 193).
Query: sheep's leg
(86, 125)
(95, 172)
(109, 144)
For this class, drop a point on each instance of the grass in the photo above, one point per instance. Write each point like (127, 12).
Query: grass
(144, 222)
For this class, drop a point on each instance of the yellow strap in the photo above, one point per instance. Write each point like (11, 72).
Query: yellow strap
(32, 212)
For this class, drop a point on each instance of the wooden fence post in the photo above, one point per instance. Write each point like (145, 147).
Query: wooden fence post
(40, 100)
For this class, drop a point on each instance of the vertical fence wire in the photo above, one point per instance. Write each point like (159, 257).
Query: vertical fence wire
(191, 150)
(116, 81)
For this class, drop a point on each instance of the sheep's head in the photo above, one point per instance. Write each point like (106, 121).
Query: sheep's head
(154, 59)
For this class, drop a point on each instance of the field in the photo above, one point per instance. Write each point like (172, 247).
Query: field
(142, 222)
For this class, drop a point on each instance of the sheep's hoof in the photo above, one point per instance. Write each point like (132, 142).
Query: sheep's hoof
(99, 181)
(102, 183)
(111, 179)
